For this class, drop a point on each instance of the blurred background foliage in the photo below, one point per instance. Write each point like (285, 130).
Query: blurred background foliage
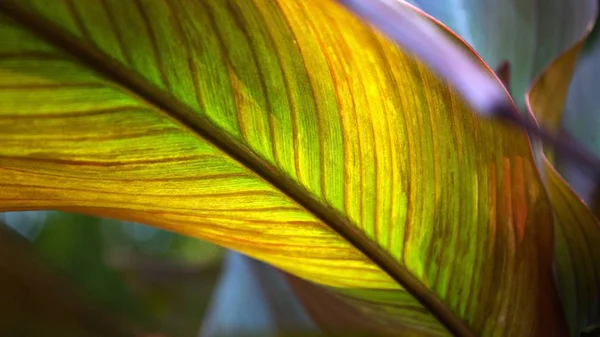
(159, 281)
(75, 275)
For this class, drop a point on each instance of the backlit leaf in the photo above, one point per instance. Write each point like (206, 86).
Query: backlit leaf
(289, 131)
(577, 258)
(423, 37)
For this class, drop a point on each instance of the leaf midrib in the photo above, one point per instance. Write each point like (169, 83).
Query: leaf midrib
(203, 127)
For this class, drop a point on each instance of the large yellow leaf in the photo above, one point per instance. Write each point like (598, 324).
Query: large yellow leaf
(289, 131)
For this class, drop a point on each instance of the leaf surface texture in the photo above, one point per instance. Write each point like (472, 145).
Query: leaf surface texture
(288, 131)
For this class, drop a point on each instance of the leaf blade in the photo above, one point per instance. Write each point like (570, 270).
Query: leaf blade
(516, 31)
(576, 254)
(422, 213)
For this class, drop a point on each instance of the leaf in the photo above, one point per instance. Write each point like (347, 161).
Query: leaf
(547, 95)
(577, 230)
(579, 118)
(525, 33)
(577, 254)
(288, 131)
(335, 313)
(421, 36)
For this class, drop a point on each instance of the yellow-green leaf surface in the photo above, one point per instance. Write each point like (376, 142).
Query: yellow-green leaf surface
(287, 130)
(546, 98)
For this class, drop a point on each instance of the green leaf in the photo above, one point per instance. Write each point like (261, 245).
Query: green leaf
(525, 33)
(288, 131)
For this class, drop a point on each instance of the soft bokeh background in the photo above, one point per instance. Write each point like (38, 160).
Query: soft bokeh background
(147, 281)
